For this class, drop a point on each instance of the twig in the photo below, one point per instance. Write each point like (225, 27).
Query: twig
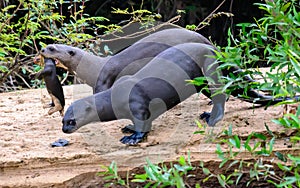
(137, 34)
(23, 80)
(45, 26)
(14, 67)
(65, 78)
(209, 16)
(11, 81)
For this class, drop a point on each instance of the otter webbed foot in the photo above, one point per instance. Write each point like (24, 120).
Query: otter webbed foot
(128, 129)
(205, 115)
(134, 139)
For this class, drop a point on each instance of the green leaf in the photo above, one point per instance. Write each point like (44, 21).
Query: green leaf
(179, 168)
(206, 171)
(229, 131)
(219, 152)
(268, 129)
(295, 138)
(3, 68)
(287, 181)
(3, 53)
(23, 70)
(6, 8)
(199, 132)
(237, 141)
(246, 144)
(107, 50)
(181, 161)
(280, 156)
(260, 136)
(141, 176)
(221, 180)
(224, 161)
(285, 7)
(271, 144)
(239, 178)
(233, 163)
(294, 158)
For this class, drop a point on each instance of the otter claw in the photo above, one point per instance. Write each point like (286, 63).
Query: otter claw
(128, 129)
(134, 139)
(205, 115)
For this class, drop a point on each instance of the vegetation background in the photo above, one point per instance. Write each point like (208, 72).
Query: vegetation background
(27, 26)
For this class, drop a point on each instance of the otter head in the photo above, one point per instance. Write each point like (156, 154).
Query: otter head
(80, 113)
(69, 122)
(67, 55)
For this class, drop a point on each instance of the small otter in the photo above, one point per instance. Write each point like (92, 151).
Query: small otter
(53, 84)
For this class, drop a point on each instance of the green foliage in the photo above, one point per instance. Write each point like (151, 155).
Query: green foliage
(292, 178)
(201, 128)
(146, 17)
(111, 174)
(164, 176)
(261, 145)
(290, 120)
(272, 40)
(154, 176)
(23, 35)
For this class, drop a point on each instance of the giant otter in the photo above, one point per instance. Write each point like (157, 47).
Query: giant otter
(156, 88)
(101, 72)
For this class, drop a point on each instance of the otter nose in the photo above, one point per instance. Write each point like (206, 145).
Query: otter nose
(65, 129)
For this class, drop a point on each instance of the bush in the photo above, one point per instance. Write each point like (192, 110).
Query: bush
(26, 27)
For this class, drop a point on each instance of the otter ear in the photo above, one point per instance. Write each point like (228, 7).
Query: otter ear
(88, 106)
(71, 52)
(88, 109)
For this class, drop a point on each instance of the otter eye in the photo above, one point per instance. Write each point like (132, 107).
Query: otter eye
(51, 48)
(71, 52)
(71, 122)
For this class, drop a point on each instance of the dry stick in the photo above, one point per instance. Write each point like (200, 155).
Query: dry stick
(23, 80)
(14, 67)
(35, 46)
(137, 34)
(48, 29)
(65, 78)
(209, 16)
(11, 81)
